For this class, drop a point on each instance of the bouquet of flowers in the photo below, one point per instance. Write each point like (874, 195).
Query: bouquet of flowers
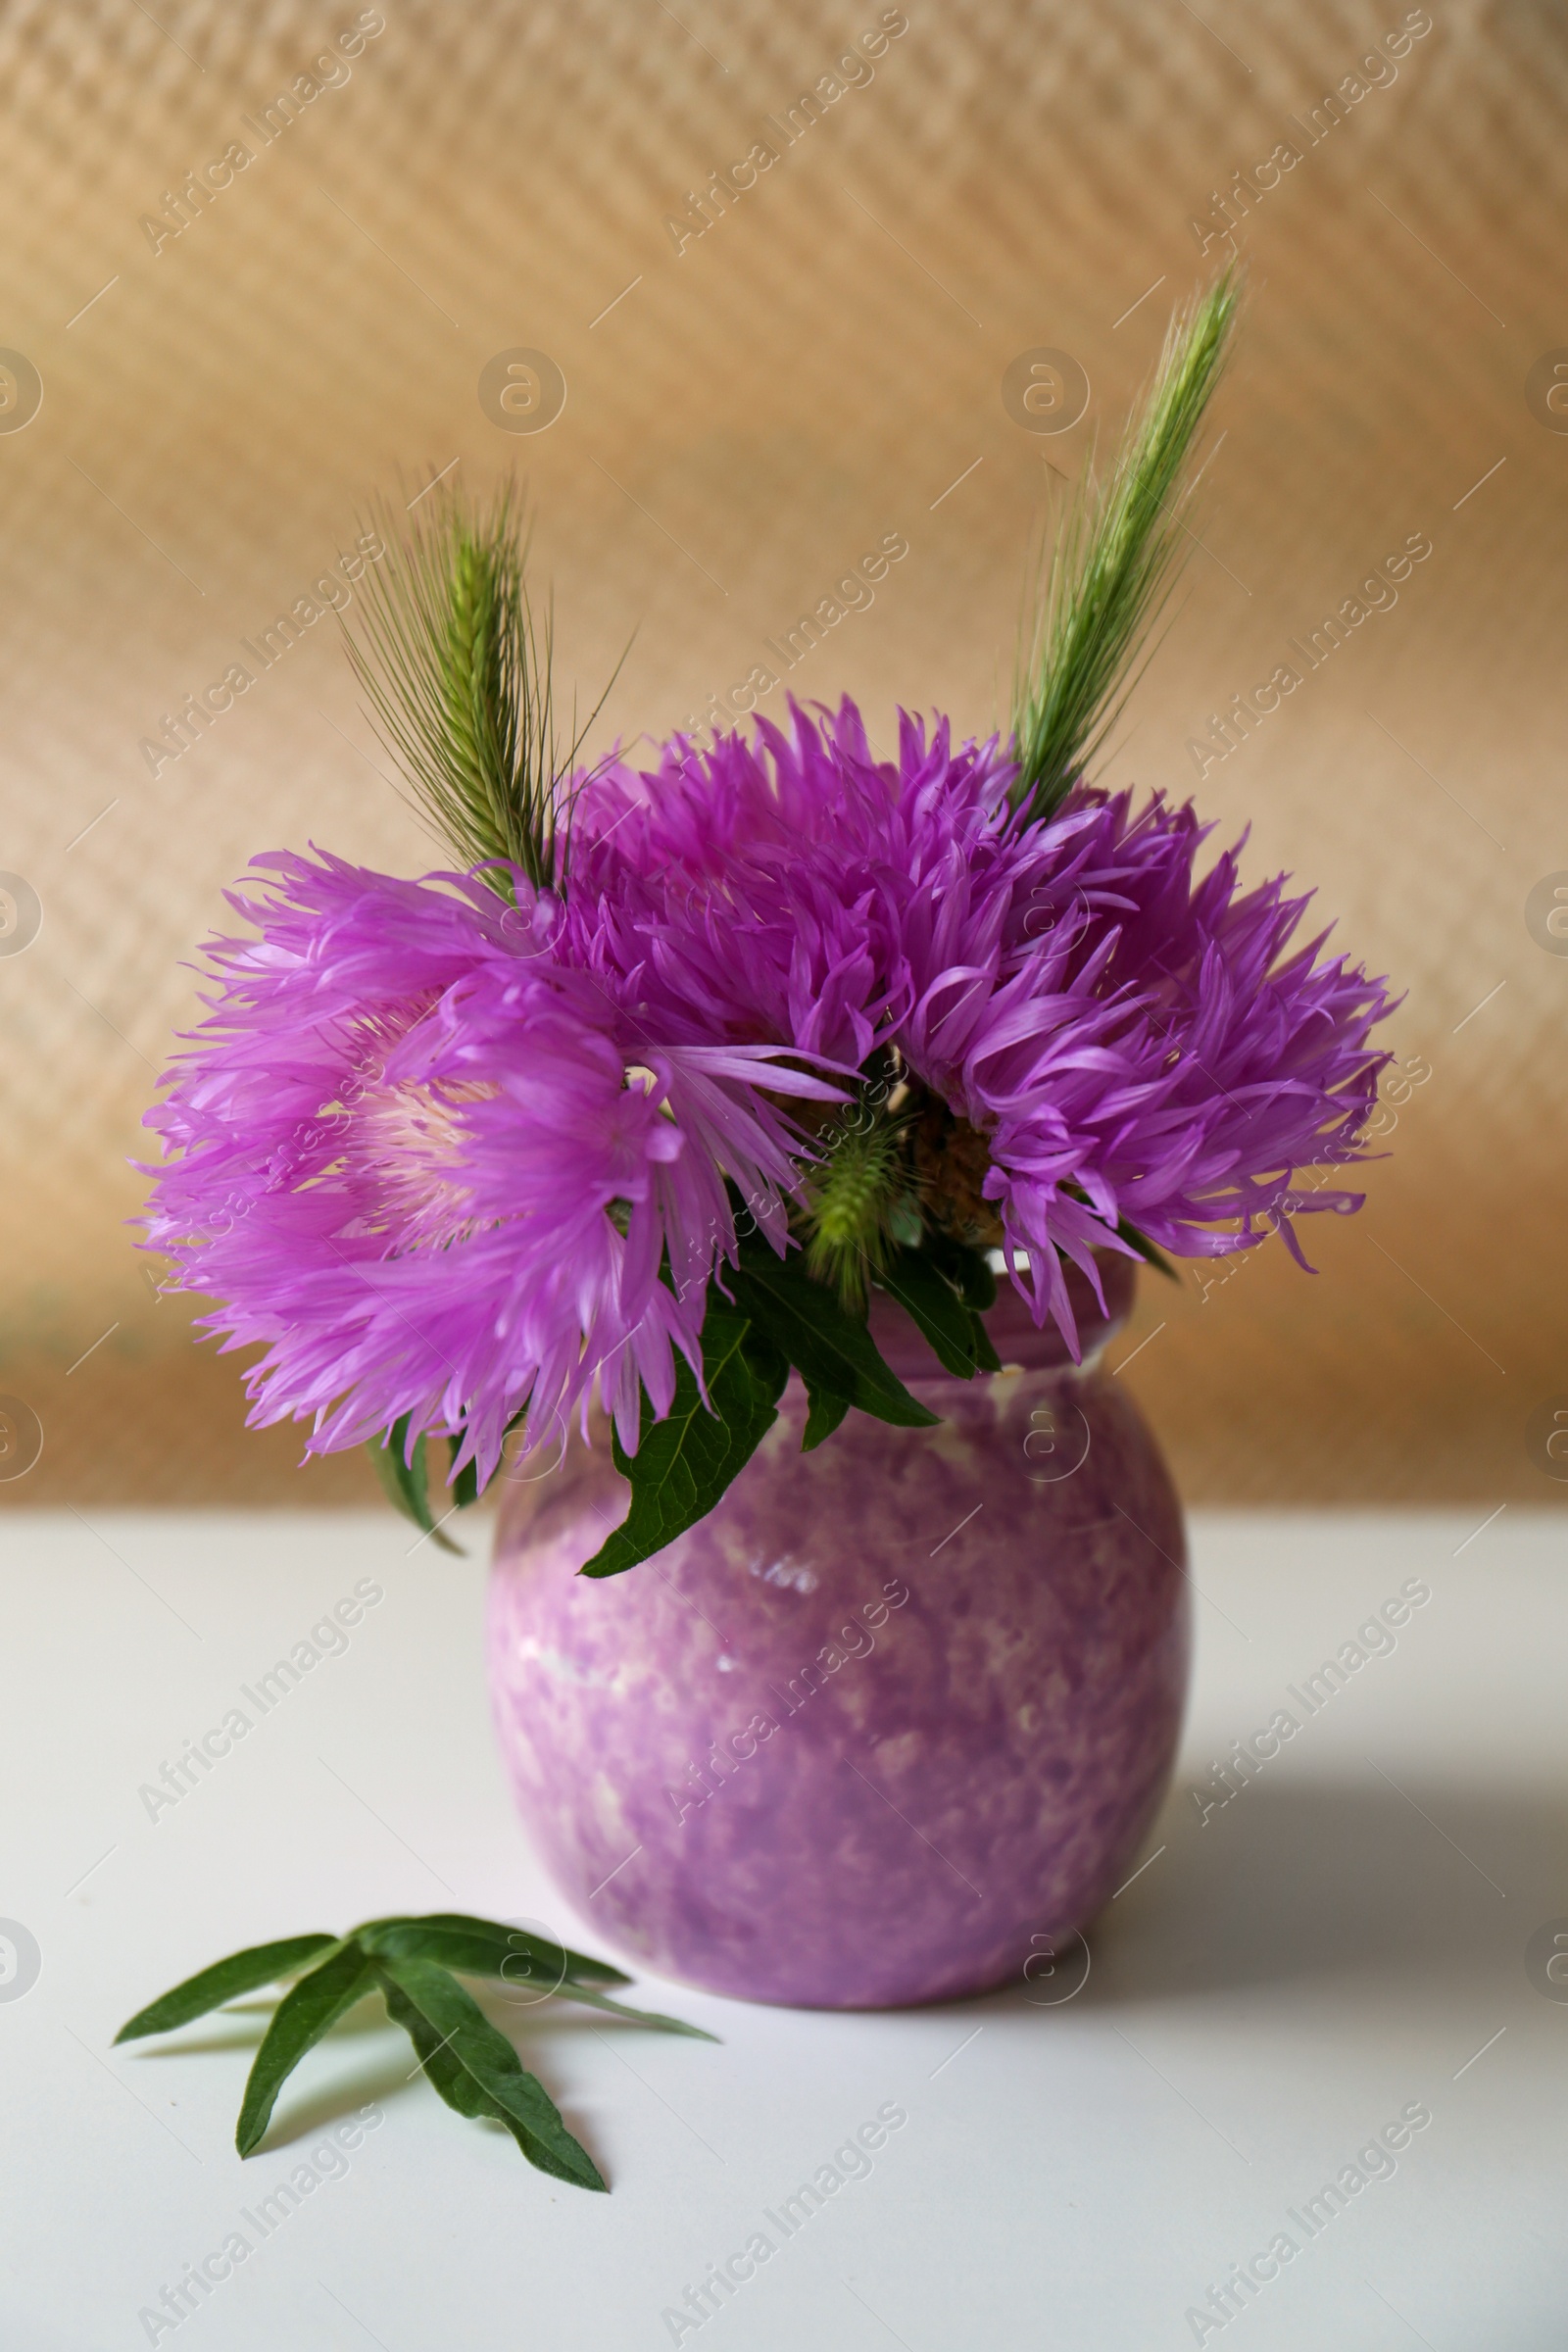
(641, 1101)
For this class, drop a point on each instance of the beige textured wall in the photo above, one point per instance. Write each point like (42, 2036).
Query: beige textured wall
(820, 368)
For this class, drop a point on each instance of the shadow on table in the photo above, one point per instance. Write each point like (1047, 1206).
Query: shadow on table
(1409, 1887)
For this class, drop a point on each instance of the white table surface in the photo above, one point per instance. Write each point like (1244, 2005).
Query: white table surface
(1339, 1942)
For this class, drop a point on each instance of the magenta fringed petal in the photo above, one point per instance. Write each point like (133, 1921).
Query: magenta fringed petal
(1129, 1036)
(436, 1171)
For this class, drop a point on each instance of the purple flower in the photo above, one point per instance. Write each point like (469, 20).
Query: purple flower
(450, 1158)
(1228, 1066)
(793, 888)
(1131, 1039)
(436, 1172)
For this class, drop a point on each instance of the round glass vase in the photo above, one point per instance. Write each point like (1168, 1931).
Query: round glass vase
(894, 1717)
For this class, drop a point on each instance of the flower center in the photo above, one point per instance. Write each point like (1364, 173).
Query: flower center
(408, 1147)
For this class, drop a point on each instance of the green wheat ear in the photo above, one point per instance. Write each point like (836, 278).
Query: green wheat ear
(1118, 548)
(854, 1195)
(458, 675)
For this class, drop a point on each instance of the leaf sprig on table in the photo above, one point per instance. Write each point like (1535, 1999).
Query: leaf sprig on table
(411, 1964)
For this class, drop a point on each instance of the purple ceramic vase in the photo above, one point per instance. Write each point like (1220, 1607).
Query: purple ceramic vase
(893, 1718)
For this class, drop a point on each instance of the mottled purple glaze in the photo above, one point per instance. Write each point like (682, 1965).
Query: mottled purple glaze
(896, 1713)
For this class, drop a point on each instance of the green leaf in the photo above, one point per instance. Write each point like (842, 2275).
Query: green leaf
(465, 1485)
(301, 2018)
(1146, 1249)
(476, 2062)
(484, 1947)
(968, 1270)
(404, 1482)
(450, 2077)
(473, 2065)
(829, 1347)
(684, 1462)
(635, 2017)
(514, 1958)
(224, 1980)
(932, 1303)
(825, 1409)
(985, 1356)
